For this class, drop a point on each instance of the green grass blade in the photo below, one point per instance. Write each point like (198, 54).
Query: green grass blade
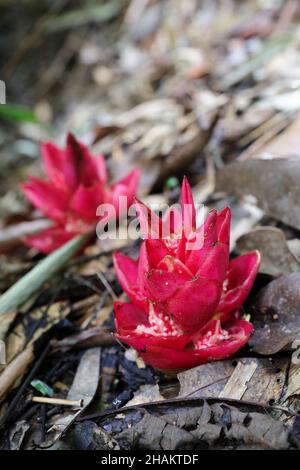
(17, 113)
(23, 289)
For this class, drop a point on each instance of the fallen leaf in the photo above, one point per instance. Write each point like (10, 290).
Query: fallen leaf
(6, 321)
(285, 143)
(146, 394)
(276, 316)
(274, 183)
(17, 434)
(15, 371)
(196, 424)
(32, 326)
(84, 387)
(238, 382)
(250, 379)
(293, 387)
(276, 256)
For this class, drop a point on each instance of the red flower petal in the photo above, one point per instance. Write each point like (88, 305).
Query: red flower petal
(100, 167)
(51, 200)
(223, 226)
(80, 167)
(174, 359)
(171, 221)
(126, 187)
(200, 243)
(156, 251)
(173, 265)
(50, 239)
(128, 316)
(127, 272)
(86, 200)
(129, 319)
(187, 207)
(194, 303)
(53, 158)
(72, 160)
(151, 224)
(141, 342)
(240, 277)
(160, 285)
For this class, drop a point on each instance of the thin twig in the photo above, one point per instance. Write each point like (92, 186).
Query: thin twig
(58, 401)
(107, 285)
(185, 401)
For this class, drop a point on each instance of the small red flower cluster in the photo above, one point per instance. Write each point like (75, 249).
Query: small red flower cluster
(185, 307)
(76, 186)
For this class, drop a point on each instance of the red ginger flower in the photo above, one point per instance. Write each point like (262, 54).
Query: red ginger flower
(185, 307)
(76, 186)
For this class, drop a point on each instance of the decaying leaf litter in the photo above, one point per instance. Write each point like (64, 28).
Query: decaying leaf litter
(212, 92)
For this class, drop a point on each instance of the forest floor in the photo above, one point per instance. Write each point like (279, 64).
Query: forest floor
(209, 89)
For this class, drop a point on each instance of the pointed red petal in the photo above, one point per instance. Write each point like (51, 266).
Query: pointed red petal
(127, 272)
(80, 165)
(129, 183)
(171, 221)
(156, 251)
(72, 162)
(199, 245)
(187, 207)
(51, 200)
(86, 200)
(240, 278)
(141, 341)
(151, 224)
(125, 187)
(214, 266)
(100, 167)
(50, 239)
(53, 158)
(143, 267)
(223, 226)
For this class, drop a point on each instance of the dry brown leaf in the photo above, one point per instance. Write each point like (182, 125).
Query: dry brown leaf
(84, 387)
(248, 379)
(285, 144)
(6, 321)
(14, 371)
(274, 183)
(32, 326)
(276, 256)
(276, 317)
